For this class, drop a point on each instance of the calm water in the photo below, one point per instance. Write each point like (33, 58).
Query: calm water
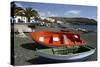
(87, 27)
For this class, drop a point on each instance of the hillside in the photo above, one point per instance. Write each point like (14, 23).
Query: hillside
(77, 20)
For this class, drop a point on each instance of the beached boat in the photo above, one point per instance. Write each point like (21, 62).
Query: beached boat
(57, 39)
(62, 45)
(66, 54)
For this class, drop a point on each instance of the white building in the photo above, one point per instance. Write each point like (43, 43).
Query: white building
(21, 19)
(59, 22)
(50, 19)
(42, 17)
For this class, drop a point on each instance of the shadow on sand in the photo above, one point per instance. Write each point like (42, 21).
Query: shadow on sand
(33, 46)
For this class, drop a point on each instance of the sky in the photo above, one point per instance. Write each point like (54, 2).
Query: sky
(61, 10)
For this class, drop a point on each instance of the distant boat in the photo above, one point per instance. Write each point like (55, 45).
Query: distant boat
(55, 39)
(62, 45)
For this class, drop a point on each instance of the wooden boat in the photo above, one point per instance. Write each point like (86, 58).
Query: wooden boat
(57, 39)
(66, 54)
(62, 45)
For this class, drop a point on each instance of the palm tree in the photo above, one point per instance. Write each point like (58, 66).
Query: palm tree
(26, 12)
(16, 11)
(29, 12)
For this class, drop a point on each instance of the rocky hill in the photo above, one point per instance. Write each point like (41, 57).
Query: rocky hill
(77, 20)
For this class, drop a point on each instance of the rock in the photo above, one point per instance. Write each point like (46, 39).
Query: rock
(22, 35)
(22, 28)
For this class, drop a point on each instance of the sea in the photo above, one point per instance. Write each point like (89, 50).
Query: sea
(86, 27)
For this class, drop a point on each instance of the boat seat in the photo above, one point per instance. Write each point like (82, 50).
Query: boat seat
(56, 39)
(66, 40)
(41, 39)
(59, 50)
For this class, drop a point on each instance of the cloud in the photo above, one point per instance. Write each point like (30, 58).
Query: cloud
(42, 14)
(51, 14)
(73, 13)
(19, 5)
(47, 14)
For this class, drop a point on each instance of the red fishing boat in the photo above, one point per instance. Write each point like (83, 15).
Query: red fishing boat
(55, 39)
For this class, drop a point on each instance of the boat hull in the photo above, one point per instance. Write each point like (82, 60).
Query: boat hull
(67, 57)
(57, 39)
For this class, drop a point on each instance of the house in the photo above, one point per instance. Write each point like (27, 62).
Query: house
(59, 22)
(50, 19)
(42, 17)
(21, 19)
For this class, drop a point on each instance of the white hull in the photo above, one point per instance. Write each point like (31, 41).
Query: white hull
(68, 56)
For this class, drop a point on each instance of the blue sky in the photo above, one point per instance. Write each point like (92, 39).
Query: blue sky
(61, 10)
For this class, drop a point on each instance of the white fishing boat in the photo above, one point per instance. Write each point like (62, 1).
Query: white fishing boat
(65, 53)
